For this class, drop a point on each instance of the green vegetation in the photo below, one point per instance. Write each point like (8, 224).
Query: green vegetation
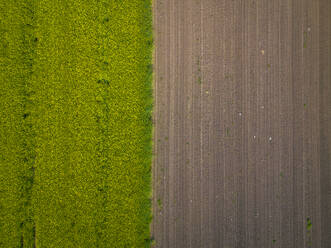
(16, 134)
(75, 134)
(199, 80)
(309, 224)
(159, 203)
(227, 130)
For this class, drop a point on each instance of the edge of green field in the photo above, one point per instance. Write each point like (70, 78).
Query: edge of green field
(76, 114)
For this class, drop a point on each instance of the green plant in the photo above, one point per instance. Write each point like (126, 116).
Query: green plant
(76, 103)
(159, 203)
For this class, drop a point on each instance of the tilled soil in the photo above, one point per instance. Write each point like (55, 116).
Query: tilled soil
(242, 139)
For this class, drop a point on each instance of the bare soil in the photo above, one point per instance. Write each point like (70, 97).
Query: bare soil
(242, 138)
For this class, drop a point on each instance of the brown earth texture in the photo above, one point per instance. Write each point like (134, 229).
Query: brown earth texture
(242, 133)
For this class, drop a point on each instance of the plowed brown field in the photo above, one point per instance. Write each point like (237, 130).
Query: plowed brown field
(242, 124)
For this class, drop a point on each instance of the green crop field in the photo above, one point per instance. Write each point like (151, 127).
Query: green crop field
(75, 114)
